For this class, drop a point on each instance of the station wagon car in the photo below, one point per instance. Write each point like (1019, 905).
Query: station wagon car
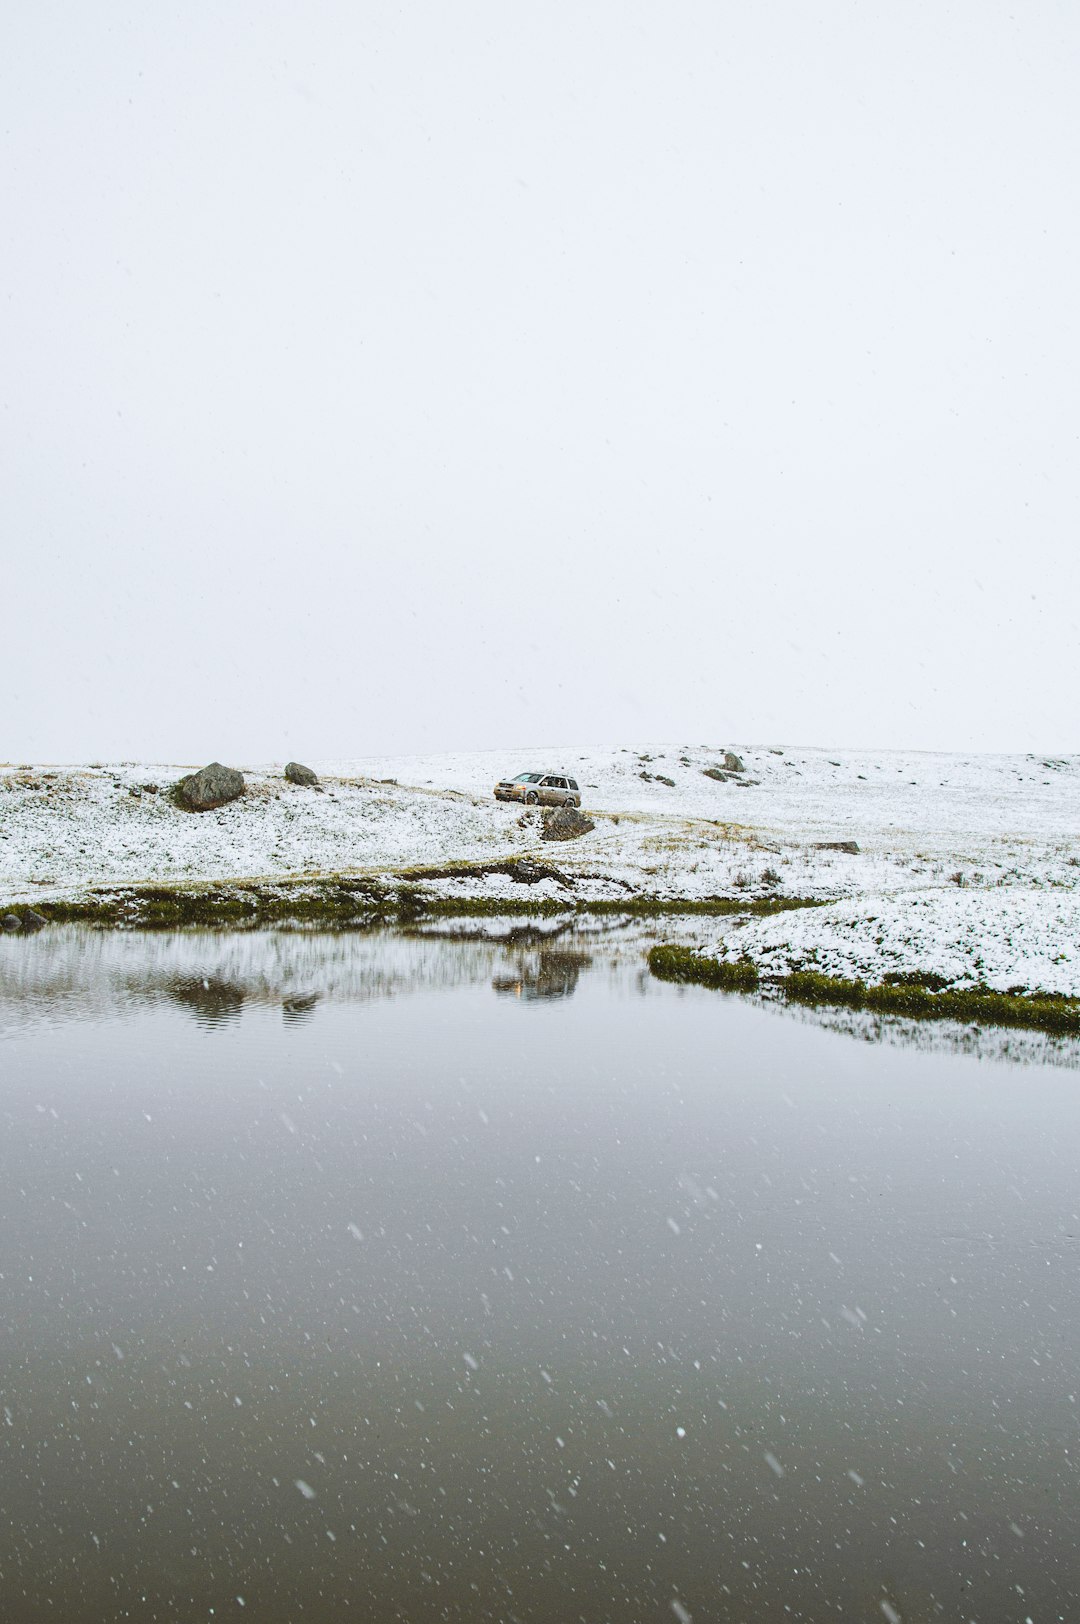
(543, 789)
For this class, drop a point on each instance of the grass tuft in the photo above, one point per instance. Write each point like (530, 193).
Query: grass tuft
(929, 980)
(682, 964)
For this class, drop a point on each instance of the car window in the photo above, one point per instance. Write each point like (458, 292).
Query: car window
(572, 782)
(547, 783)
(560, 783)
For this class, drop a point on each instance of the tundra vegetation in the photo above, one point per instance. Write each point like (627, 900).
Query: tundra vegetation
(921, 997)
(353, 903)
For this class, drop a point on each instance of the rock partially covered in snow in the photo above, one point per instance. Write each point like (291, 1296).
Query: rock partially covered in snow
(527, 871)
(565, 823)
(733, 763)
(297, 773)
(211, 786)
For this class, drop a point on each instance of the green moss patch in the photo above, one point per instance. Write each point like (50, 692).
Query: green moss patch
(351, 902)
(491, 907)
(927, 1000)
(682, 964)
(341, 902)
(633, 907)
(920, 997)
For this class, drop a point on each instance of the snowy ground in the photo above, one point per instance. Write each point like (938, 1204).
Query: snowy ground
(1009, 939)
(968, 865)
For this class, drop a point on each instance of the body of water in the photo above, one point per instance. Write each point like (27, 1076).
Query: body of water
(424, 1279)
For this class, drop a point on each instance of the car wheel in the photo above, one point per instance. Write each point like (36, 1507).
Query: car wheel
(532, 798)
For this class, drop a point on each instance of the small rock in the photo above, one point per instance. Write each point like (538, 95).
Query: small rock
(11, 922)
(849, 846)
(32, 920)
(526, 871)
(297, 773)
(732, 762)
(149, 789)
(565, 823)
(211, 786)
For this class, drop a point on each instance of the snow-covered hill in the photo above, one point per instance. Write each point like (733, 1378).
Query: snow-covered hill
(951, 849)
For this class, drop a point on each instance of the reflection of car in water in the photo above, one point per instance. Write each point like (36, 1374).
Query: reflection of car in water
(543, 789)
(543, 975)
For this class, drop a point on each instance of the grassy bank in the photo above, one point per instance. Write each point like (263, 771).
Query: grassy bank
(346, 903)
(682, 964)
(918, 997)
(636, 907)
(241, 905)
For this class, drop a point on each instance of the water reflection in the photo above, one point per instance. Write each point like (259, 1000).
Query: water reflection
(300, 1008)
(548, 974)
(66, 974)
(995, 1043)
(212, 1002)
(74, 974)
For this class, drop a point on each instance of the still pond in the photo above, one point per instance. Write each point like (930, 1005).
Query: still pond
(413, 1278)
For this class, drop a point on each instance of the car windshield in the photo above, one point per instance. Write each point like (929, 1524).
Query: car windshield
(527, 778)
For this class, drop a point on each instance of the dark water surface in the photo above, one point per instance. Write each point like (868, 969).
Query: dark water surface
(364, 1277)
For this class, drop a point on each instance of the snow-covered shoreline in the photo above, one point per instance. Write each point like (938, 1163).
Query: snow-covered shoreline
(968, 866)
(1017, 940)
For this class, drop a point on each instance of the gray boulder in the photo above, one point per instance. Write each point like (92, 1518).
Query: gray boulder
(211, 786)
(564, 823)
(11, 922)
(732, 762)
(32, 920)
(296, 773)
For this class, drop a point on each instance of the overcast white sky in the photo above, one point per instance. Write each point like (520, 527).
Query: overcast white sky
(391, 377)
